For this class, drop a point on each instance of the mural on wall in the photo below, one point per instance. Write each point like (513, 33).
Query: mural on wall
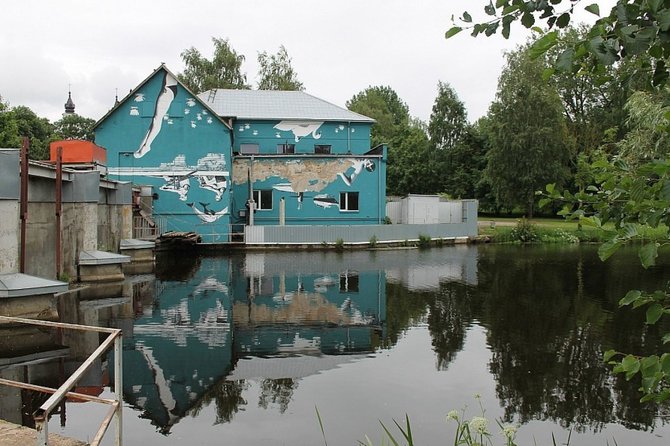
(300, 129)
(325, 201)
(305, 176)
(207, 215)
(209, 174)
(358, 166)
(165, 97)
(180, 175)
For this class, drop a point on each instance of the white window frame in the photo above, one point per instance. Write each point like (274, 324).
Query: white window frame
(344, 201)
(260, 204)
(283, 149)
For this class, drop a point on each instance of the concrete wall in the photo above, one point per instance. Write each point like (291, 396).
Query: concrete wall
(95, 214)
(9, 211)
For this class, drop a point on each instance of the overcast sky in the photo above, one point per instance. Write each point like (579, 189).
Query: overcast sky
(337, 48)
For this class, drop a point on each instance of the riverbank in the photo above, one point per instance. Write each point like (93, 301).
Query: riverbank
(545, 230)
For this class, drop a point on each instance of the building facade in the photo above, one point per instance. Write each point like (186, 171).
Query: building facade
(211, 159)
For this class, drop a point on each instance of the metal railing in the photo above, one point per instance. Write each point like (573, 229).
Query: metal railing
(115, 412)
(148, 228)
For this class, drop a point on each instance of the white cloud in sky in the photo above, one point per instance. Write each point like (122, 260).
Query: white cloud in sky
(337, 48)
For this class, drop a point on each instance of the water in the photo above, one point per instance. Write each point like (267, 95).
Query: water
(242, 349)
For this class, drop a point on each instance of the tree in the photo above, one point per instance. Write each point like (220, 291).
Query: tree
(529, 139)
(466, 162)
(38, 130)
(9, 130)
(631, 28)
(384, 105)
(409, 167)
(631, 198)
(223, 71)
(73, 126)
(276, 72)
(648, 136)
(448, 120)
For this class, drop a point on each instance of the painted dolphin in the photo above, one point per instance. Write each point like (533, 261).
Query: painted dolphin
(325, 201)
(207, 215)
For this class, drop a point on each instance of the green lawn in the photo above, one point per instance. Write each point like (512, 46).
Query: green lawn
(555, 229)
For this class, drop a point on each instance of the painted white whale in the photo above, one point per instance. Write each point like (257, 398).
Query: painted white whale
(165, 98)
(300, 129)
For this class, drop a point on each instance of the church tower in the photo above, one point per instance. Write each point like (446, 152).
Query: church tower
(69, 105)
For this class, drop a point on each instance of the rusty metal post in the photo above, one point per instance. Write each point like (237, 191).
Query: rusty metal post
(42, 428)
(59, 200)
(25, 147)
(118, 387)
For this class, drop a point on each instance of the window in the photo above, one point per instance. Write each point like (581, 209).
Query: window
(263, 199)
(285, 149)
(349, 282)
(348, 201)
(322, 149)
(248, 148)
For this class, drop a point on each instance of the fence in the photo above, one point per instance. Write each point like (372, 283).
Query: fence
(41, 415)
(148, 228)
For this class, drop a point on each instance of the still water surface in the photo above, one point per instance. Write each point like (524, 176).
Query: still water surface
(241, 349)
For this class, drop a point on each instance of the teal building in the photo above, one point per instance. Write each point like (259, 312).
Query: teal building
(212, 159)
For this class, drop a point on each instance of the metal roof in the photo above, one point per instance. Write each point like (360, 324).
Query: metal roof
(101, 258)
(19, 284)
(132, 243)
(272, 104)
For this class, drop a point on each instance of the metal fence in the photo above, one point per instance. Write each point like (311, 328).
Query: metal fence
(464, 225)
(115, 412)
(145, 228)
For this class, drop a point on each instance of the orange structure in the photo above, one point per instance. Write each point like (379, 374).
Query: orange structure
(77, 151)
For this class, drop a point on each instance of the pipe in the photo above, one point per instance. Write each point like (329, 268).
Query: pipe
(59, 201)
(25, 147)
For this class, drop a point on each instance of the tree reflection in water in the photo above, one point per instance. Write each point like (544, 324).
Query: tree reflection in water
(547, 328)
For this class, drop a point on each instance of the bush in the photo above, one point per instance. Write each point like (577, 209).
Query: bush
(524, 232)
(373, 241)
(424, 241)
(339, 245)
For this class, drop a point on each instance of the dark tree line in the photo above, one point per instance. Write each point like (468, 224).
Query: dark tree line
(20, 121)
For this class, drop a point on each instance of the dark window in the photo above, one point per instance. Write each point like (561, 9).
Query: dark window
(263, 199)
(322, 149)
(285, 149)
(348, 201)
(349, 282)
(248, 148)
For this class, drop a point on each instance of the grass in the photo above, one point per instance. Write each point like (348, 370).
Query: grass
(501, 230)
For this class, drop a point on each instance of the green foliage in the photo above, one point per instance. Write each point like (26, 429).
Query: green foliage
(424, 241)
(631, 199)
(276, 73)
(223, 71)
(466, 162)
(409, 164)
(448, 119)
(387, 220)
(384, 105)
(73, 126)
(339, 245)
(38, 130)
(647, 121)
(373, 241)
(530, 145)
(9, 130)
(525, 232)
(633, 28)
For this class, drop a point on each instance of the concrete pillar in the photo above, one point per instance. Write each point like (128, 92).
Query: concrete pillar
(9, 210)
